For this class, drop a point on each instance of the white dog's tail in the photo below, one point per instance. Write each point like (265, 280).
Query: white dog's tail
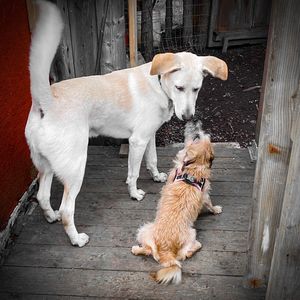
(169, 274)
(45, 40)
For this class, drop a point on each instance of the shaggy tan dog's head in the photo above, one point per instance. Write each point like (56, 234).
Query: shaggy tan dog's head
(198, 150)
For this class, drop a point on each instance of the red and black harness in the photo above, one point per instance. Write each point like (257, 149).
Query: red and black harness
(189, 179)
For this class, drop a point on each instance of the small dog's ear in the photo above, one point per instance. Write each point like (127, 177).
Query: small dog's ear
(164, 63)
(214, 66)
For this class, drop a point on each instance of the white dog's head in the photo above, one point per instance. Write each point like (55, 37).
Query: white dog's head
(182, 75)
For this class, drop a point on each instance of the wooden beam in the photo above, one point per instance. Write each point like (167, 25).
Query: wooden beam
(63, 66)
(132, 7)
(281, 83)
(285, 269)
(113, 56)
(147, 30)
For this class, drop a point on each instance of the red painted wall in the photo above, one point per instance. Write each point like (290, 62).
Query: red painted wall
(15, 163)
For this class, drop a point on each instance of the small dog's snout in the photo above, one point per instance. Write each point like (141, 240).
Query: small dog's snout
(187, 116)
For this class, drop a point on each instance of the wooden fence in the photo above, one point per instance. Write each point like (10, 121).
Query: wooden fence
(274, 240)
(93, 39)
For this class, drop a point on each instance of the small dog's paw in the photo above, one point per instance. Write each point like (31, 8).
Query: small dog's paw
(135, 250)
(138, 195)
(82, 240)
(161, 177)
(217, 209)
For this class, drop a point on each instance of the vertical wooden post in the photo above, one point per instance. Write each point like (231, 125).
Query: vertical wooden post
(281, 83)
(63, 66)
(113, 55)
(284, 278)
(132, 7)
(147, 30)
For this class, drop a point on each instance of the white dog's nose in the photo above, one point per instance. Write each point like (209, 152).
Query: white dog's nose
(187, 116)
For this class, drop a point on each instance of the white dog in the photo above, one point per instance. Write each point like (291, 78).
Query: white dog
(131, 103)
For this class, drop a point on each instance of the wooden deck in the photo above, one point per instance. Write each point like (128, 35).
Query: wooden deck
(43, 265)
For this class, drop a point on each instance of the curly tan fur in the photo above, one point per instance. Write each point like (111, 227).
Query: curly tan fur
(171, 238)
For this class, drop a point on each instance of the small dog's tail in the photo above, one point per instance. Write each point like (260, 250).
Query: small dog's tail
(45, 40)
(170, 274)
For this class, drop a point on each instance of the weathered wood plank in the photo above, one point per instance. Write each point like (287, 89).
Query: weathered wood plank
(226, 189)
(281, 80)
(90, 201)
(63, 64)
(167, 162)
(52, 268)
(121, 259)
(113, 54)
(28, 296)
(121, 173)
(284, 282)
(120, 187)
(132, 27)
(122, 236)
(221, 150)
(234, 219)
(82, 18)
(147, 30)
(134, 285)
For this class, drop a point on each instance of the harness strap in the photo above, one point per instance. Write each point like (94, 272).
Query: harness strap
(191, 180)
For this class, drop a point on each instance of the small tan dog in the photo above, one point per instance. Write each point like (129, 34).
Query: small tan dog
(171, 237)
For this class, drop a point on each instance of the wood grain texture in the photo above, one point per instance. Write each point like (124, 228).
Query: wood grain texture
(119, 258)
(120, 284)
(82, 18)
(281, 80)
(43, 264)
(113, 55)
(63, 64)
(284, 282)
(125, 236)
(132, 27)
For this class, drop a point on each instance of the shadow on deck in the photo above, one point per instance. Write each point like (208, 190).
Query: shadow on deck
(43, 265)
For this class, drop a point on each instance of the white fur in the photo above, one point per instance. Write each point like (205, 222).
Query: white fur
(124, 104)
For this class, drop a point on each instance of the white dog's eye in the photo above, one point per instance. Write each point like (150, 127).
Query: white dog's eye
(180, 88)
(196, 90)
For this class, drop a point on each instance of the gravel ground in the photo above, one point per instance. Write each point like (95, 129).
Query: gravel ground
(227, 109)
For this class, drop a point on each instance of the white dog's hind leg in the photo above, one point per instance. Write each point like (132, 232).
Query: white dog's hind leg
(67, 214)
(72, 187)
(136, 151)
(43, 196)
(151, 161)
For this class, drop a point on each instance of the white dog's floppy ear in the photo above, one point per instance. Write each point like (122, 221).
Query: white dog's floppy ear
(164, 63)
(214, 66)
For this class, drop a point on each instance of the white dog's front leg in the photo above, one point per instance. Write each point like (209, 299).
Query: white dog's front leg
(151, 161)
(137, 148)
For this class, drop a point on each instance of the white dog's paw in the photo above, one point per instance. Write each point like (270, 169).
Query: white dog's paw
(81, 240)
(138, 195)
(52, 216)
(160, 177)
(217, 209)
(57, 215)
